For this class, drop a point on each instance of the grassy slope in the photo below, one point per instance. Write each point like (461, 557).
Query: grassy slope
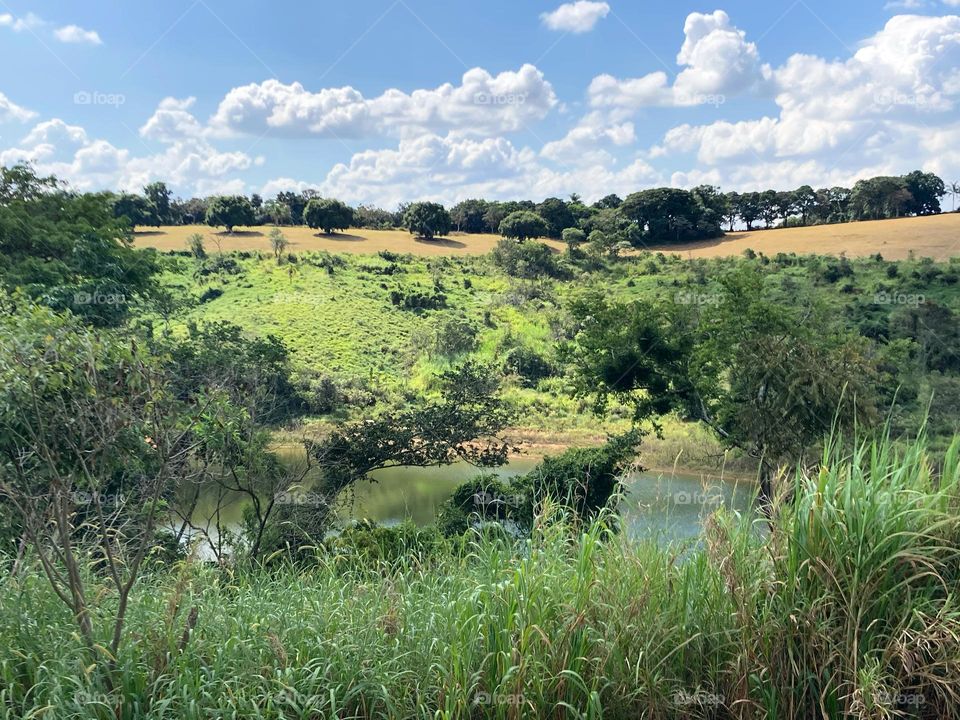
(344, 325)
(936, 237)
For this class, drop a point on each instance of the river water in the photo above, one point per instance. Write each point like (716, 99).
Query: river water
(667, 506)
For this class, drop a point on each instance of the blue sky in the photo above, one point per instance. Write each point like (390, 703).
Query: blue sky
(384, 100)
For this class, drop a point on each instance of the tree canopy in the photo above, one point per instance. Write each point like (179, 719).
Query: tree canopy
(68, 250)
(427, 220)
(230, 211)
(524, 225)
(328, 214)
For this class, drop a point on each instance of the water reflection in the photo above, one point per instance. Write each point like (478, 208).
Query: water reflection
(668, 506)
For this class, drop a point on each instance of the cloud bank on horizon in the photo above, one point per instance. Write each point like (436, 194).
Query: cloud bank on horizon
(889, 106)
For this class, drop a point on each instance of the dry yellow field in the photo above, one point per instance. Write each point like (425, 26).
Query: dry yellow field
(359, 242)
(937, 237)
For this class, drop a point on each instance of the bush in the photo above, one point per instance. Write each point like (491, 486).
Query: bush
(210, 294)
(366, 545)
(455, 336)
(527, 364)
(417, 300)
(525, 260)
(580, 479)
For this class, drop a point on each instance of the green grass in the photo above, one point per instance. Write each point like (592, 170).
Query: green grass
(849, 604)
(344, 326)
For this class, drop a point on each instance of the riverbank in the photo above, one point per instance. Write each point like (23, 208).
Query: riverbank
(402, 624)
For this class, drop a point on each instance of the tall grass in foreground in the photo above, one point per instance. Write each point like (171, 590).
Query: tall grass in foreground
(847, 607)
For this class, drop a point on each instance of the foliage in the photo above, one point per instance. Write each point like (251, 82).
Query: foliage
(195, 246)
(525, 260)
(253, 371)
(670, 215)
(135, 210)
(68, 251)
(230, 211)
(87, 419)
(328, 214)
(464, 424)
(524, 225)
(278, 243)
(427, 220)
(845, 610)
(556, 214)
(574, 237)
(769, 378)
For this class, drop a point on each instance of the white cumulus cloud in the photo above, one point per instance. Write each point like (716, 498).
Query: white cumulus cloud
(576, 17)
(77, 35)
(717, 61)
(481, 104)
(9, 110)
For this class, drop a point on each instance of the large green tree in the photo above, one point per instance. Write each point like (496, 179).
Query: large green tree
(770, 378)
(523, 225)
(328, 214)
(68, 251)
(230, 211)
(557, 215)
(468, 216)
(158, 194)
(427, 220)
(670, 215)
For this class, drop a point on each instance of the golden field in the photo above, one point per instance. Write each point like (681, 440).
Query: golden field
(937, 237)
(301, 239)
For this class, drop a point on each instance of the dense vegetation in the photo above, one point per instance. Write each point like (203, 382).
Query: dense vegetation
(847, 610)
(142, 394)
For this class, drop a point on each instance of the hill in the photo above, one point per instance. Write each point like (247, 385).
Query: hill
(937, 237)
